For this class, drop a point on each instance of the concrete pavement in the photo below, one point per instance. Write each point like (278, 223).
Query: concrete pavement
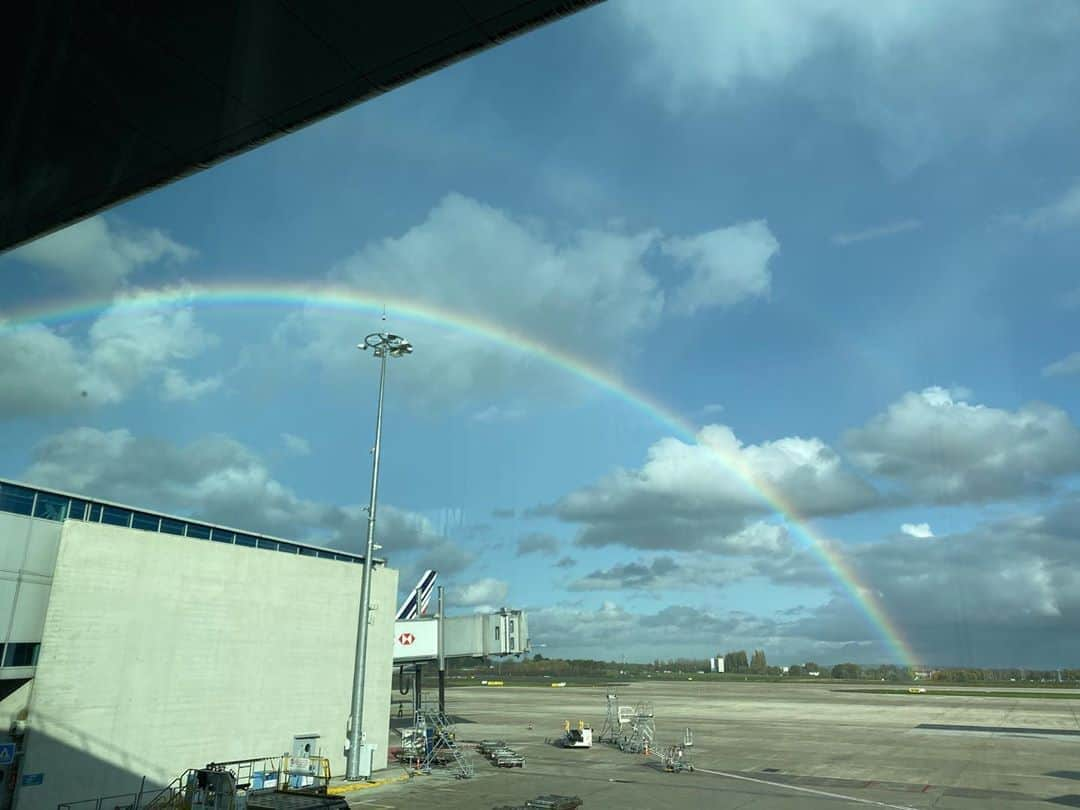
(764, 746)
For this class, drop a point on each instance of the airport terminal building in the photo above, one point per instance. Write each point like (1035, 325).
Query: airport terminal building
(138, 644)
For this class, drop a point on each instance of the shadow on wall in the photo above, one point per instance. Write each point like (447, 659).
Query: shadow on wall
(53, 772)
(9, 686)
(81, 768)
(1071, 800)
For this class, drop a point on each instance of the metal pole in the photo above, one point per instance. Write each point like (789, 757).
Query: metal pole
(418, 677)
(356, 736)
(442, 652)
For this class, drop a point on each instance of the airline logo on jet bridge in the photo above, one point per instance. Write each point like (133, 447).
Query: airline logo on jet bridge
(416, 603)
(405, 639)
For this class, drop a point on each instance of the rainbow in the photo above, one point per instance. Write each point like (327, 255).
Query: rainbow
(331, 297)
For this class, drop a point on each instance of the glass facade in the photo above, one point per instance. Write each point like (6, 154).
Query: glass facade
(170, 526)
(116, 516)
(77, 509)
(198, 532)
(19, 500)
(148, 523)
(18, 655)
(48, 505)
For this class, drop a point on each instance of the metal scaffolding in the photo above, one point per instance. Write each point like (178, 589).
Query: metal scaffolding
(434, 744)
(642, 732)
(612, 729)
(676, 758)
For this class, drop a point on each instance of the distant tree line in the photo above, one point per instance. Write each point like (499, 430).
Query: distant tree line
(739, 662)
(891, 672)
(968, 675)
(736, 663)
(539, 665)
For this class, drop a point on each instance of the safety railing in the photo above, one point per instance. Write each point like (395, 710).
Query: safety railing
(156, 799)
(122, 801)
(281, 773)
(254, 773)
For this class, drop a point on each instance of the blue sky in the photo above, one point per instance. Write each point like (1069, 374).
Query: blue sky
(845, 236)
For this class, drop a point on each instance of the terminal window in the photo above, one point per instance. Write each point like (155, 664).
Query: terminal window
(20, 655)
(19, 500)
(115, 516)
(201, 532)
(50, 507)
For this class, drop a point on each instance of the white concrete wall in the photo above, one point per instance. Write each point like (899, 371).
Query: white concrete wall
(13, 707)
(161, 653)
(27, 555)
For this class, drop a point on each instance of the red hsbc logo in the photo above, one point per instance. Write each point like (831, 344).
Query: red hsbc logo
(405, 639)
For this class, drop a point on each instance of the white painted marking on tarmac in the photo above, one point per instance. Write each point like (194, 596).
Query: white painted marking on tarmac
(825, 793)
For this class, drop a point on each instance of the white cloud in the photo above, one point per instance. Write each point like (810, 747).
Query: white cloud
(176, 387)
(889, 229)
(664, 573)
(727, 266)
(942, 449)
(759, 551)
(690, 495)
(129, 343)
(215, 477)
(494, 413)
(43, 371)
(1064, 366)
(923, 77)
(40, 372)
(758, 538)
(1064, 212)
(676, 630)
(587, 292)
(220, 480)
(1001, 593)
(538, 543)
(920, 530)
(1005, 593)
(97, 253)
(297, 445)
(487, 591)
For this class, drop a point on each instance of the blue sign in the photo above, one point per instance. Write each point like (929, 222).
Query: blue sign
(31, 779)
(7, 753)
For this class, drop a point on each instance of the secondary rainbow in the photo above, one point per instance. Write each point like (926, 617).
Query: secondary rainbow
(349, 299)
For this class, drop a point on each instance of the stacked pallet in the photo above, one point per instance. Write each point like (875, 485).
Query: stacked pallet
(500, 754)
(548, 802)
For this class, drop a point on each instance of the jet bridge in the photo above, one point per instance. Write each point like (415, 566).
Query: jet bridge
(420, 639)
(502, 633)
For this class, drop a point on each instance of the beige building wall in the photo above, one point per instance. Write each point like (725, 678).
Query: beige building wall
(27, 555)
(161, 653)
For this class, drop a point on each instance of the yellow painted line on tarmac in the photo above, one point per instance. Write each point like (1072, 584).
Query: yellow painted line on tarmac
(338, 790)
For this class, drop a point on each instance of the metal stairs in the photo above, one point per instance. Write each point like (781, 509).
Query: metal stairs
(443, 749)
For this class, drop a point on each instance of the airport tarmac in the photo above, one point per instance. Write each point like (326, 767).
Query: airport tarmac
(767, 745)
